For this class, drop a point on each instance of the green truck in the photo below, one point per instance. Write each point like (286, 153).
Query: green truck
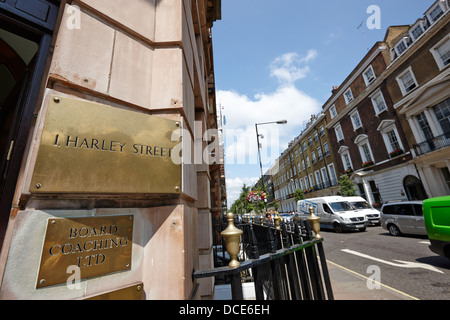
(436, 213)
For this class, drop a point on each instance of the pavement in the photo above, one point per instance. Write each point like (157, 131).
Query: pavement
(346, 284)
(349, 285)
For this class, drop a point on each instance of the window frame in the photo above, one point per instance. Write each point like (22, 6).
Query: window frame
(414, 27)
(385, 128)
(333, 111)
(352, 115)
(337, 130)
(346, 98)
(361, 141)
(401, 84)
(428, 13)
(398, 44)
(373, 98)
(437, 57)
(367, 80)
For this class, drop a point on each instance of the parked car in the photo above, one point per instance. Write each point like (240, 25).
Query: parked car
(372, 214)
(403, 217)
(436, 212)
(335, 212)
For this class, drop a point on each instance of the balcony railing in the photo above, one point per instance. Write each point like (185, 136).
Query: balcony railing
(431, 145)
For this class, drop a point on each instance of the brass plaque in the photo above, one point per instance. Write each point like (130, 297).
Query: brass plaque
(92, 246)
(134, 292)
(88, 147)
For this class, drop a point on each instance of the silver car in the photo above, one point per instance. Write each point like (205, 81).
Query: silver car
(403, 217)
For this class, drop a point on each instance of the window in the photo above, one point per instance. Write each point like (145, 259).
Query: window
(339, 134)
(333, 112)
(314, 159)
(319, 153)
(442, 112)
(424, 126)
(364, 148)
(393, 141)
(332, 172)
(356, 120)
(390, 136)
(316, 136)
(307, 162)
(345, 157)
(304, 146)
(379, 104)
(407, 81)
(311, 180)
(365, 152)
(346, 160)
(309, 141)
(435, 13)
(325, 178)
(417, 31)
(348, 96)
(303, 165)
(318, 179)
(322, 131)
(401, 46)
(441, 52)
(326, 149)
(369, 76)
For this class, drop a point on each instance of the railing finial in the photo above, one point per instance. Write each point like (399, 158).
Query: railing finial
(232, 237)
(314, 222)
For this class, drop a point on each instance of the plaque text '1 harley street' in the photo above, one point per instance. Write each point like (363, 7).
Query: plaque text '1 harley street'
(89, 148)
(91, 245)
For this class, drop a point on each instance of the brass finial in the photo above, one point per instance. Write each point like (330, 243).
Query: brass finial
(277, 220)
(232, 237)
(314, 222)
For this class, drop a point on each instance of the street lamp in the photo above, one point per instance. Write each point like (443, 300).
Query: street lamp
(259, 146)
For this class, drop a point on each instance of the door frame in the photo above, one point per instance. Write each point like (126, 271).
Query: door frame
(41, 32)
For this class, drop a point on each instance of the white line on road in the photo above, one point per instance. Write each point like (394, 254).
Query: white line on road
(400, 264)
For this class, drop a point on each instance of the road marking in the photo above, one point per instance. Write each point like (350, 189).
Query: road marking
(400, 264)
(366, 278)
(425, 242)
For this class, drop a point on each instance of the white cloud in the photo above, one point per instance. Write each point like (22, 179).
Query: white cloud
(291, 67)
(242, 112)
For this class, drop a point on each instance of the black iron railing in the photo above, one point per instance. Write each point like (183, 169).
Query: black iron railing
(430, 145)
(284, 262)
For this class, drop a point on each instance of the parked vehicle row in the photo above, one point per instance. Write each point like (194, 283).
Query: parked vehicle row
(430, 217)
(340, 213)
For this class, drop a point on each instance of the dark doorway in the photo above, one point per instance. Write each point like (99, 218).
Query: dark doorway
(414, 188)
(25, 35)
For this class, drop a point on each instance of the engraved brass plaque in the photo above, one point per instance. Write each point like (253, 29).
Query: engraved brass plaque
(88, 147)
(134, 292)
(91, 245)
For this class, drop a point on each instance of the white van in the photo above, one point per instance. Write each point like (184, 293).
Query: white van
(372, 214)
(335, 212)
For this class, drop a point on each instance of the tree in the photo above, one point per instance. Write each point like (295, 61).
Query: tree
(346, 187)
(299, 195)
(241, 205)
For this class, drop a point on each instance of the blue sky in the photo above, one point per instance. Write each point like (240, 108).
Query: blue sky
(277, 60)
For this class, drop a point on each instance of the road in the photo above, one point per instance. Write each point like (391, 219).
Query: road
(404, 263)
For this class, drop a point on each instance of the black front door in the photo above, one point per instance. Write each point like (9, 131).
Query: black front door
(26, 28)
